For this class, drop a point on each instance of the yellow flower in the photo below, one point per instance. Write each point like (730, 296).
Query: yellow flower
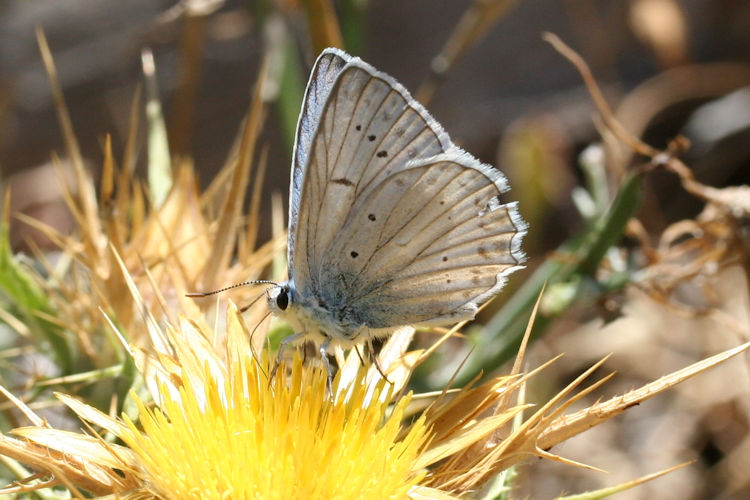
(219, 429)
(225, 432)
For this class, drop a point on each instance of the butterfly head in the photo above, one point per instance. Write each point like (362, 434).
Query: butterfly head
(306, 314)
(279, 298)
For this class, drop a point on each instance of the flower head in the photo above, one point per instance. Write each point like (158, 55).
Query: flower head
(225, 430)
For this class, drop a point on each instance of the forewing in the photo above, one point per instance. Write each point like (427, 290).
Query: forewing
(427, 245)
(369, 129)
(325, 70)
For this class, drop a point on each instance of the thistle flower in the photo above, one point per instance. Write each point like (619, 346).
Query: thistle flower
(219, 428)
(224, 429)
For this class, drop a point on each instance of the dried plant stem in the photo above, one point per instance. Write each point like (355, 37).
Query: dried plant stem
(605, 111)
(230, 212)
(474, 24)
(181, 121)
(85, 194)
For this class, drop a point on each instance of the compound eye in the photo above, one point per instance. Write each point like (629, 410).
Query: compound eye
(282, 299)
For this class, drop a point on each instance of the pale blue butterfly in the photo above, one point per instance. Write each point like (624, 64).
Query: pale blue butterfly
(390, 223)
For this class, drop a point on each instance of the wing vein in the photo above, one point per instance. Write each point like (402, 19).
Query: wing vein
(385, 243)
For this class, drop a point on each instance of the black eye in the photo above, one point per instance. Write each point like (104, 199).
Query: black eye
(282, 299)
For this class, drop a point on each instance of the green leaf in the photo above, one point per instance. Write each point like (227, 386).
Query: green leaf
(23, 297)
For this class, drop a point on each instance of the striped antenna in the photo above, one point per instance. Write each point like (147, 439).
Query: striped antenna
(244, 283)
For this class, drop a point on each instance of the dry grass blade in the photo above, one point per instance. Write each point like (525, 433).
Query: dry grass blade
(520, 444)
(31, 483)
(28, 412)
(471, 429)
(36, 452)
(230, 213)
(191, 55)
(439, 342)
(568, 426)
(88, 449)
(427, 493)
(324, 25)
(605, 492)
(463, 439)
(527, 334)
(91, 228)
(107, 184)
(18, 327)
(71, 244)
(159, 342)
(130, 153)
(250, 241)
(474, 24)
(466, 406)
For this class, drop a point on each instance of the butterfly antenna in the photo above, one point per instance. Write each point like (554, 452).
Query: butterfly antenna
(244, 283)
(252, 333)
(245, 308)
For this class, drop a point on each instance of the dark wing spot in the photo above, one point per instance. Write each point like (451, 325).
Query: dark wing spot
(371, 217)
(354, 254)
(371, 137)
(442, 202)
(445, 259)
(343, 181)
(358, 127)
(381, 154)
(482, 252)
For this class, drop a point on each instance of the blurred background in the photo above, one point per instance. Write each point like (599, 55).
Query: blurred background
(668, 68)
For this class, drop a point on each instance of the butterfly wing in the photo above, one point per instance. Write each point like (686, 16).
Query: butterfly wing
(427, 245)
(366, 115)
(325, 70)
(396, 225)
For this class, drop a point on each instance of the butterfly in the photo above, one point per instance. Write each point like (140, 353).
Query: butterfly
(390, 223)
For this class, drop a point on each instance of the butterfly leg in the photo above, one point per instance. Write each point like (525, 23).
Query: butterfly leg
(279, 356)
(359, 355)
(324, 356)
(374, 357)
